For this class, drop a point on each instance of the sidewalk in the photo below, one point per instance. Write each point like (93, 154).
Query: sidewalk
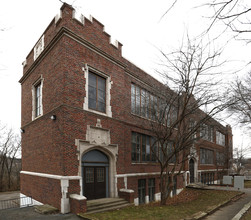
(231, 210)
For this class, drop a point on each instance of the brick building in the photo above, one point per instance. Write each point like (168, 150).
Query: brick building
(79, 125)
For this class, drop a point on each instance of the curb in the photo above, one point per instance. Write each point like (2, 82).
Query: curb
(201, 215)
(242, 211)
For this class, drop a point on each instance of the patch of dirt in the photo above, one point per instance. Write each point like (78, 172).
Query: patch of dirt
(187, 195)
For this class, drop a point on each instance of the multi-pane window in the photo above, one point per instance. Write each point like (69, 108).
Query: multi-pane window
(96, 92)
(151, 189)
(142, 190)
(143, 103)
(168, 150)
(220, 158)
(100, 174)
(220, 138)
(89, 175)
(206, 132)
(206, 156)
(192, 128)
(38, 100)
(141, 148)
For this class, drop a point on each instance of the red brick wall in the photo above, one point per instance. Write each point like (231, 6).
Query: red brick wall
(47, 191)
(49, 146)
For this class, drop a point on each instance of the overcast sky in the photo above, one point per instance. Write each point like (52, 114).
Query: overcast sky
(137, 24)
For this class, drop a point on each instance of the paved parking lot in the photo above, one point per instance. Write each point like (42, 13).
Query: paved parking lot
(28, 213)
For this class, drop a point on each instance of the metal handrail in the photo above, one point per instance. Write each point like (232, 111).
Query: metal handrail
(16, 203)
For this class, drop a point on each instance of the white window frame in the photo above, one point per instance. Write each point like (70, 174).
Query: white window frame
(108, 108)
(34, 86)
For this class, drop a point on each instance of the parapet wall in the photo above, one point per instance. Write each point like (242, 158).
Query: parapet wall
(90, 30)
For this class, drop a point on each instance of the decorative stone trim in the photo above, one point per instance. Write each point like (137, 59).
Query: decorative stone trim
(51, 176)
(127, 190)
(78, 204)
(39, 47)
(77, 197)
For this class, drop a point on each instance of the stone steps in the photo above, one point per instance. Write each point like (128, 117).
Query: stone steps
(106, 204)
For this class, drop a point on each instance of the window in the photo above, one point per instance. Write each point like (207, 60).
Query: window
(143, 103)
(141, 190)
(96, 92)
(151, 189)
(192, 128)
(89, 175)
(169, 149)
(37, 94)
(206, 156)
(38, 99)
(220, 158)
(206, 132)
(220, 138)
(100, 174)
(141, 148)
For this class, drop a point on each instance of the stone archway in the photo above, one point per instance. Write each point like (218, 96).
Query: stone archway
(95, 173)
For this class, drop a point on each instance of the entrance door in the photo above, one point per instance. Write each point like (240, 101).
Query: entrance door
(191, 170)
(95, 183)
(95, 172)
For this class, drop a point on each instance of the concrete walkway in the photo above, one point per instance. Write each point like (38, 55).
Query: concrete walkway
(9, 195)
(232, 210)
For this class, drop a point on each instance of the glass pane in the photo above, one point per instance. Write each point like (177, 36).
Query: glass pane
(101, 107)
(137, 100)
(133, 99)
(143, 102)
(100, 174)
(101, 84)
(89, 175)
(133, 152)
(143, 153)
(147, 105)
(92, 103)
(101, 96)
(148, 148)
(92, 80)
(92, 92)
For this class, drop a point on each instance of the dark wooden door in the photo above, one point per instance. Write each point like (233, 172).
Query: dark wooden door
(191, 170)
(94, 182)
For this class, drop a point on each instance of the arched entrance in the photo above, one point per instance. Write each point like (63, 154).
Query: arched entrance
(95, 173)
(191, 170)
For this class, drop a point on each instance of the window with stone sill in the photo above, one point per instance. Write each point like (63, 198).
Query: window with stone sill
(96, 92)
(37, 93)
(98, 86)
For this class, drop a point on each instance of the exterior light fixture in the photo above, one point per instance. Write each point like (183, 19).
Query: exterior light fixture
(53, 117)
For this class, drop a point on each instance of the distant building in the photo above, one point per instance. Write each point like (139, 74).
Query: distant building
(82, 134)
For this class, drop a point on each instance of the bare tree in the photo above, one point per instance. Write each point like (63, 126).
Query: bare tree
(240, 99)
(189, 99)
(240, 154)
(235, 14)
(10, 146)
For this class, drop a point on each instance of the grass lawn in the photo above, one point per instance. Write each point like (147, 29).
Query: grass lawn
(247, 216)
(187, 203)
(247, 184)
